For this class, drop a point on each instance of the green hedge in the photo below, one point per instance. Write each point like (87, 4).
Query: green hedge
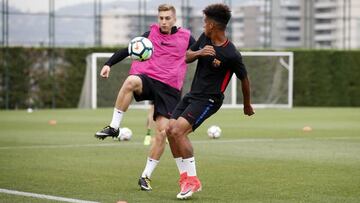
(326, 78)
(321, 77)
(32, 83)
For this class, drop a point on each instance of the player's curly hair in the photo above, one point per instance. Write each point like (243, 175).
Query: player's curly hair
(220, 13)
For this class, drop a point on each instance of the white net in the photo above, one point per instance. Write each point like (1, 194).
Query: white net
(270, 73)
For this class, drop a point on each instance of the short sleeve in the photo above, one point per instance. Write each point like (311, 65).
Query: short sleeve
(196, 45)
(238, 66)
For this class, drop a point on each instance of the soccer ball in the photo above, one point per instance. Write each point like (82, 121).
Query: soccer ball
(140, 48)
(125, 134)
(214, 131)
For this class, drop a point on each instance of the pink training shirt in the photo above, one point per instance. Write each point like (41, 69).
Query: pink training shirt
(167, 64)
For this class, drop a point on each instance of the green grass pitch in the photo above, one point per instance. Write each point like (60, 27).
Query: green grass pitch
(263, 158)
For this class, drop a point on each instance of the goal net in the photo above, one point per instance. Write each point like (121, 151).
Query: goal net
(270, 74)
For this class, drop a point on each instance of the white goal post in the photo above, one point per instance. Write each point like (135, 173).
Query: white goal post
(288, 65)
(270, 73)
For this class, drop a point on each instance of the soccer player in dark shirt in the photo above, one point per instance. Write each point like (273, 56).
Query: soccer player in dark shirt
(217, 59)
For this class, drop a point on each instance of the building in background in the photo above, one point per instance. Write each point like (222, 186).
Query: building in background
(335, 23)
(256, 24)
(315, 24)
(119, 25)
(287, 24)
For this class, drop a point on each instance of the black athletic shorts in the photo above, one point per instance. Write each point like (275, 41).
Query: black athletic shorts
(196, 109)
(164, 96)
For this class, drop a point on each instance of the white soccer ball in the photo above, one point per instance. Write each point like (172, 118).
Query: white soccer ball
(30, 110)
(214, 131)
(140, 48)
(125, 134)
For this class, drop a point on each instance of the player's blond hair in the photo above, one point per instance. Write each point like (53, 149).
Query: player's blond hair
(167, 7)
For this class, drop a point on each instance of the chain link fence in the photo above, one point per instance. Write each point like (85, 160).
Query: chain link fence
(261, 24)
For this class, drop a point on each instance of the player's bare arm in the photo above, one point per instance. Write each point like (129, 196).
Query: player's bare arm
(191, 56)
(245, 86)
(105, 71)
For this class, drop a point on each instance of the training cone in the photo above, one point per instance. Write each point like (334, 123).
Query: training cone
(307, 129)
(52, 122)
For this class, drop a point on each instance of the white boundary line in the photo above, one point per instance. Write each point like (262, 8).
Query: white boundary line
(211, 141)
(42, 196)
(65, 146)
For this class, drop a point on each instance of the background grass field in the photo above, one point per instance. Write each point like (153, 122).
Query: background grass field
(264, 158)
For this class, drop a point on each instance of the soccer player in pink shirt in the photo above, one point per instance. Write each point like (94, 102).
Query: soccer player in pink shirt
(158, 79)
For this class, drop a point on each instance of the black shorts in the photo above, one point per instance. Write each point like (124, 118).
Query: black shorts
(196, 109)
(163, 96)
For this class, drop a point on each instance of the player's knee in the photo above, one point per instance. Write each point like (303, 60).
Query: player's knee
(132, 82)
(172, 132)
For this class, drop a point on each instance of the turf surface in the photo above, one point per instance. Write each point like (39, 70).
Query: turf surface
(264, 158)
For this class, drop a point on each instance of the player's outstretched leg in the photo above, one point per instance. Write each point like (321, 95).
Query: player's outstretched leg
(144, 184)
(107, 132)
